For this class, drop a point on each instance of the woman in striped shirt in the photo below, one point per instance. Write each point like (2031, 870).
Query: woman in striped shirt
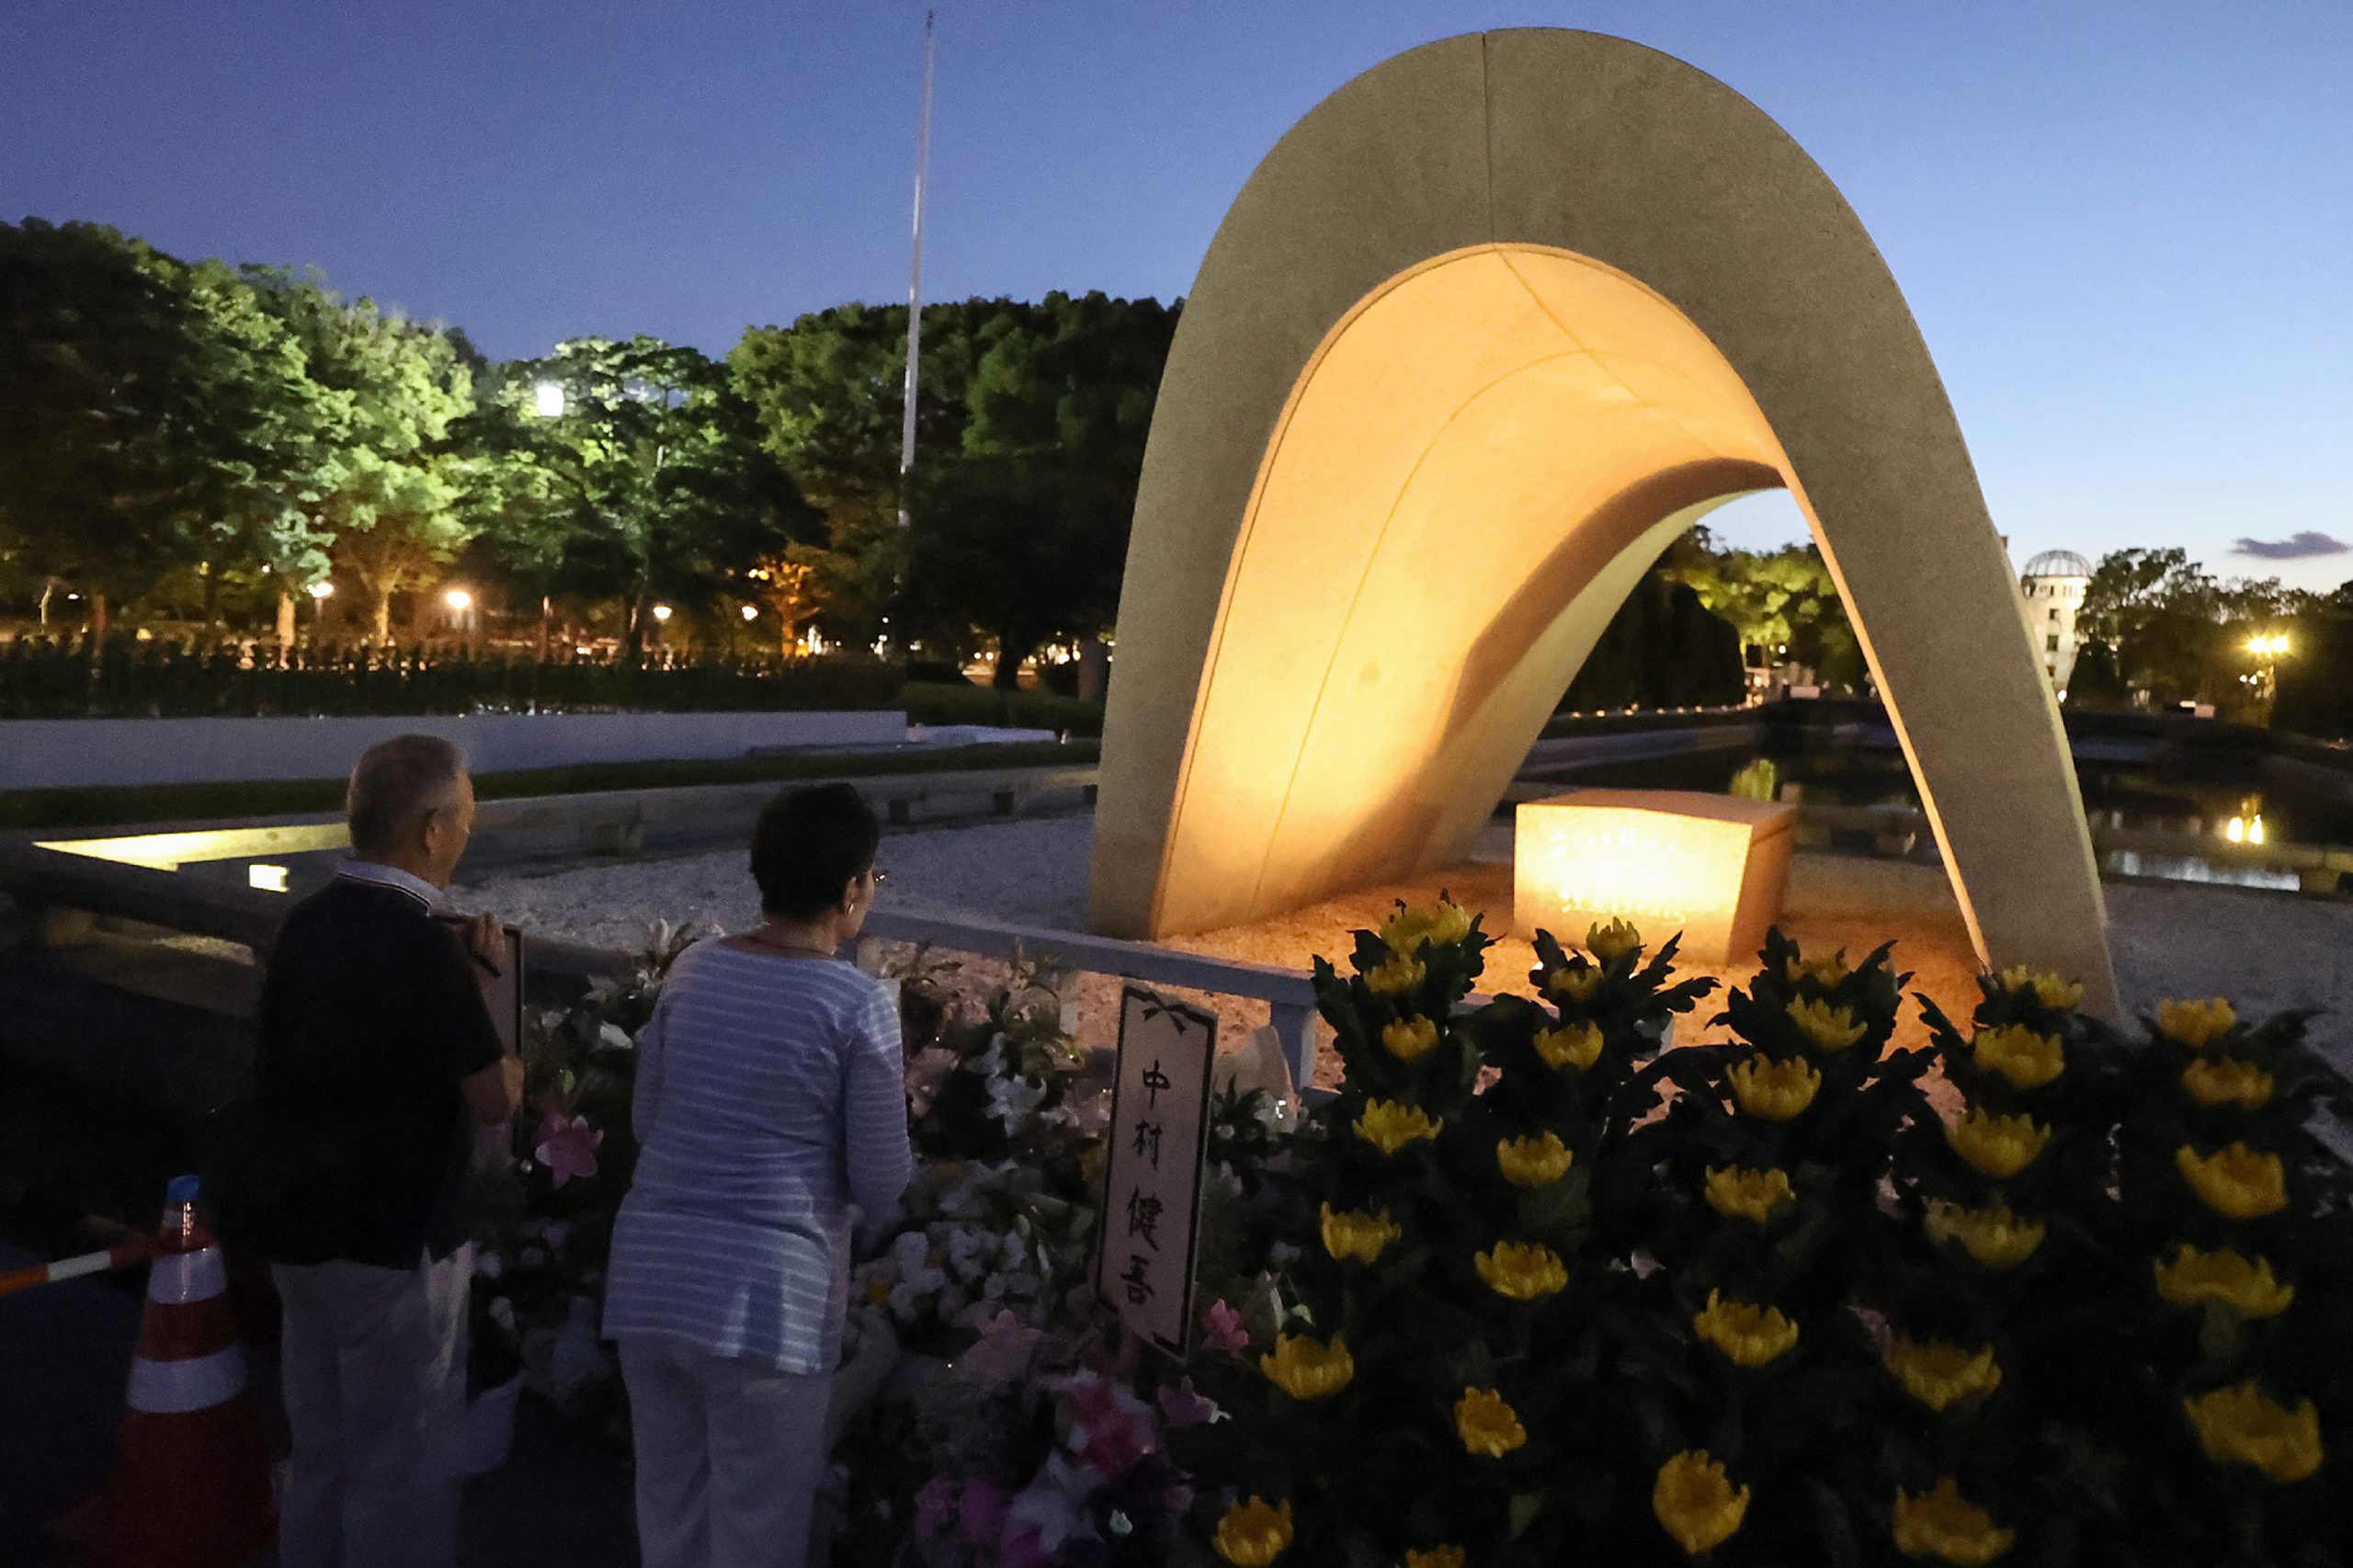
(770, 1104)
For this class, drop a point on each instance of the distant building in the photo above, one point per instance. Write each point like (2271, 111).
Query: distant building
(2052, 591)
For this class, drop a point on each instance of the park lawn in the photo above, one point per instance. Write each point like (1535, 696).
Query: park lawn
(23, 809)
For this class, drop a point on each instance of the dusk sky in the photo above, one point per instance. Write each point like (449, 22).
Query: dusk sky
(2126, 229)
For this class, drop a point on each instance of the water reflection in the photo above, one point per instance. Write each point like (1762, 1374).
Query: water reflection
(2194, 869)
(2225, 798)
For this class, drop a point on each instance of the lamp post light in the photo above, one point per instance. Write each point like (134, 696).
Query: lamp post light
(461, 603)
(320, 593)
(547, 398)
(751, 612)
(2267, 651)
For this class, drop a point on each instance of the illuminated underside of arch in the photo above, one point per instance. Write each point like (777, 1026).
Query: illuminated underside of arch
(1484, 333)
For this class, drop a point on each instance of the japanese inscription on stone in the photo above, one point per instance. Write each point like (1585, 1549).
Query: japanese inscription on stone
(1160, 1103)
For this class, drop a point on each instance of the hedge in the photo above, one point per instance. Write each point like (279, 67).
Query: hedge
(57, 679)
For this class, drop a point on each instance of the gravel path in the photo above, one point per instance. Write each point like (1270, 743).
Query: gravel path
(1032, 870)
(2264, 950)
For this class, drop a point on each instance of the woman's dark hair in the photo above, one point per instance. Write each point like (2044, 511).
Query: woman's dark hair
(808, 845)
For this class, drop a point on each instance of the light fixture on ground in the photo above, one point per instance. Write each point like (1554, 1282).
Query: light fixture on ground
(548, 399)
(1712, 867)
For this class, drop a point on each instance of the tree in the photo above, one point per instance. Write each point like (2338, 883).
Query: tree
(273, 527)
(1784, 604)
(143, 403)
(1025, 530)
(2094, 683)
(2316, 680)
(651, 484)
(829, 392)
(1662, 649)
(383, 499)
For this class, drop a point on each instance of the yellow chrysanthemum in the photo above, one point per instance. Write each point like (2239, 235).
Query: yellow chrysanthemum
(1993, 1237)
(1307, 1367)
(1576, 981)
(1825, 972)
(1997, 1146)
(2238, 1183)
(1831, 1029)
(1748, 1335)
(1695, 1504)
(1937, 1374)
(1392, 976)
(1612, 940)
(2223, 1080)
(2196, 1023)
(1775, 1091)
(1488, 1427)
(1434, 1557)
(2195, 1278)
(2052, 991)
(1389, 1126)
(1443, 925)
(1254, 1533)
(1364, 1237)
(1738, 1194)
(1409, 1039)
(1570, 1045)
(1532, 1162)
(1943, 1524)
(2027, 1058)
(1522, 1270)
(2238, 1426)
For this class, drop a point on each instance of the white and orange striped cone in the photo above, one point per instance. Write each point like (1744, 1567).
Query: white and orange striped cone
(190, 1484)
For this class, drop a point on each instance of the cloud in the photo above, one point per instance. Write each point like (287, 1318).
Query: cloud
(2295, 546)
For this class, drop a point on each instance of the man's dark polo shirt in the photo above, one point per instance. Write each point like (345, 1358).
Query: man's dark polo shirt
(371, 1016)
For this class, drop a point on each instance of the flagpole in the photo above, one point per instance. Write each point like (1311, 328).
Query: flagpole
(914, 278)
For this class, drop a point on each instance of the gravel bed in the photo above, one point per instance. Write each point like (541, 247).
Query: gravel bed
(2264, 950)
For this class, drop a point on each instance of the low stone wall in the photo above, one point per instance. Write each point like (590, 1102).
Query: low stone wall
(63, 753)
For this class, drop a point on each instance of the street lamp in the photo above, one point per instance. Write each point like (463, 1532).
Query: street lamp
(751, 612)
(323, 591)
(547, 398)
(662, 613)
(2267, 651)
(458, 600)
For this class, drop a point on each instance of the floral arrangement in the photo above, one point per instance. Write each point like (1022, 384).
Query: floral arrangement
(2041, 1294)
(544, 1204)
(1040, 1463)
(1029, 1436)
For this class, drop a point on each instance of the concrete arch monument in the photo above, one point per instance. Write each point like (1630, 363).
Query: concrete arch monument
(1482, 333)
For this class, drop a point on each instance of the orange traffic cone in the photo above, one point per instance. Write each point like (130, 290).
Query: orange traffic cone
(191, 1485)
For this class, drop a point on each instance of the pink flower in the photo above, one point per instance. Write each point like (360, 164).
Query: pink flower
(1225, 1330)
(1182, 1405)
(1047, 1515)
(567, 1145)
(1111, 1426)
(1003, 1350)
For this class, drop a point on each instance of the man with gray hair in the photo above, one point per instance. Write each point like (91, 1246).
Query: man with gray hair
(376, 1052)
